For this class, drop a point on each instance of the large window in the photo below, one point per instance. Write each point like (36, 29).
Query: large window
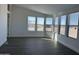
(73, 25)
(40, 24)
(31, 23)
(63, 24)
(49, 24)
(56, 25)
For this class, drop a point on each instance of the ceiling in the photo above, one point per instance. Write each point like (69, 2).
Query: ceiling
(48, 8)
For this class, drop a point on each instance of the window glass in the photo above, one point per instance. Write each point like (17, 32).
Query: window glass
(31, 23)
(73, 25)
(63, 24)
(56, 25)
(40, 24)
(49, 24)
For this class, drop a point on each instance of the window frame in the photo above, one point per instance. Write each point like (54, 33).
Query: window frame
(37, 23)
(64, 25)
(69, 25)
(58, 25)
(34, 24)
(50, 25)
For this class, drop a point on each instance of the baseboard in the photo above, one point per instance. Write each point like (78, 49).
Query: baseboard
(27, 37)
(5, 43)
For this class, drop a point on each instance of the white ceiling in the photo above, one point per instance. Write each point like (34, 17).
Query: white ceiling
(48, 8)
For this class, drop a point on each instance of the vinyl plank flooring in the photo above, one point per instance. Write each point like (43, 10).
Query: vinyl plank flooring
(34, 46)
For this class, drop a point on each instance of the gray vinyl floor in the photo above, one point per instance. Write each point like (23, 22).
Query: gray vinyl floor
(34, 46)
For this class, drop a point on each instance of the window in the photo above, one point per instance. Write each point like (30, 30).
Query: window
(31, 23)
(73, 25)
(56, 25)
(40, 24)
(49, 24)
(63, 24)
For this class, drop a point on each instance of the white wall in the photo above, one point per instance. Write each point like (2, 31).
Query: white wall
(18, 22)
(69, 42)
(3, 23)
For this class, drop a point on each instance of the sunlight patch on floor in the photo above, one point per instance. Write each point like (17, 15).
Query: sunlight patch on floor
(55, 40)
(47, 38)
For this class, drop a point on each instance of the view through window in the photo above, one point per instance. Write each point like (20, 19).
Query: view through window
(31, 23)
(56, 25)
(40, 24)
(49, 25)
(63, 24)
(73, 25)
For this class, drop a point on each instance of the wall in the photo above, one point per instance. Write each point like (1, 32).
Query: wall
(3, 23)
(18, 22)
(69, 42)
